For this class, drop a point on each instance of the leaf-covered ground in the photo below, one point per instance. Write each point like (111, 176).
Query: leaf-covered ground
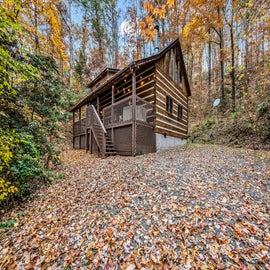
(195, 207)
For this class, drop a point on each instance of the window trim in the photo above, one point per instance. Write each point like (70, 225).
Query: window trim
(179, 112)
(169, 104)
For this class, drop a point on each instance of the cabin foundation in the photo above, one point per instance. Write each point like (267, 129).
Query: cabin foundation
(164, 141)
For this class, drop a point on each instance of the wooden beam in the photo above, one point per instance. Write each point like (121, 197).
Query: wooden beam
(112, 113)
(80, 138)
(133, 112)
(73, 120)
(98, 104)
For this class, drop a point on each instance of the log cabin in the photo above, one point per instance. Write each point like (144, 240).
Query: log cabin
(140, 109)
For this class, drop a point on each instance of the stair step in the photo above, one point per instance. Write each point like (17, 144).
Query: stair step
(110, 153)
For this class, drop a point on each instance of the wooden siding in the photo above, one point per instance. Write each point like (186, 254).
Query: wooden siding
(102, 80)
(168, 123)
(105, 100)
(171, 65)
(145, 84)
(123, 88)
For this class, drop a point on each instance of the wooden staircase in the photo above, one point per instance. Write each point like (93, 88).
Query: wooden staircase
(110, 150)
(101, 136)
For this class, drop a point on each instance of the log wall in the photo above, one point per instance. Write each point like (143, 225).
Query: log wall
(166, 122)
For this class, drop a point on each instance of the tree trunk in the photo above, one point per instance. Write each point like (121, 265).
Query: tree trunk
(36, 27)
(70, 42)
(221, 63)
(221, 59)
(233, 64)
(209, 68)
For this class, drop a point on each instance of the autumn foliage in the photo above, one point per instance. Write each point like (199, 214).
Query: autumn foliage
(32, 97)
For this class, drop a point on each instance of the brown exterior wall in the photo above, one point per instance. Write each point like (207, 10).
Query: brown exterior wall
(145, 84)
(168, 123)
(102, 80)
(123, 140)
(79, 134)
(170, 65)
(157, 79)
(145, 139)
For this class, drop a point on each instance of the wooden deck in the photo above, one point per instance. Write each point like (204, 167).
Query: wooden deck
(129, 129)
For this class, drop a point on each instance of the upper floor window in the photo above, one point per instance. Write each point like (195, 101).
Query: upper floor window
(169, 104)
(179, 112)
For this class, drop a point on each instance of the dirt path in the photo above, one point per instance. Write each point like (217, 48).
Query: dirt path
(205, 207)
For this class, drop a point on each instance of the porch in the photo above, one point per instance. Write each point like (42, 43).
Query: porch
(126, 126)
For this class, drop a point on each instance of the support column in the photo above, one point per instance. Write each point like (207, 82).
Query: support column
(133, 112)
(73, 128)
(98, 106)
(80, 118)
(112, 113)
(90, 140)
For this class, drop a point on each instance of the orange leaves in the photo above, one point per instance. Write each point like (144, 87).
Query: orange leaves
(149, 20)
(147, 28)
(130, 213)
(35, 17)
(154, 11)
(148, 7)
(170, 3)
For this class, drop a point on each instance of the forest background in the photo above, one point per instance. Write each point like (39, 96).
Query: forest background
(51, 50)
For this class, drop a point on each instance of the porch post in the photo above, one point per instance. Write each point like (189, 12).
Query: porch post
(98, 105)
(73, 128)
(80, 118)
(112, 113)
(90, 140)
(133, 112)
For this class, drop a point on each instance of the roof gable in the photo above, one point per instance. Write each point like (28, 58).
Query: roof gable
(135, 64)
(102, 74)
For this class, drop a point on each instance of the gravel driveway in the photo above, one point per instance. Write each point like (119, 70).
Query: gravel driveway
(194, 207)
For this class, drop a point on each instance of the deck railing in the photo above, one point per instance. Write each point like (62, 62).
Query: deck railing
(79, 127)
(94, 122)
(121, 112)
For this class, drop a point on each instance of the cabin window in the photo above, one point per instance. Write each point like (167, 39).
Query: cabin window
(169, 104)
(180, 112)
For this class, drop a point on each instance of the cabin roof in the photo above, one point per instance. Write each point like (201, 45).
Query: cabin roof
(102, 74)
(127, 69)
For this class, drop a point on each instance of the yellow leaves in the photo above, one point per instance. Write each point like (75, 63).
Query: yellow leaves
(170, 3)
(47, 15)
(149, 20)
(241, 77)
(6, 189)
(142, 25)
(147, 28)
(154, 11)
(249, 3)
(192, 27)
(162, 12)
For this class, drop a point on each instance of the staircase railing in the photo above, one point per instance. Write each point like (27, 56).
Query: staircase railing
(94, 122)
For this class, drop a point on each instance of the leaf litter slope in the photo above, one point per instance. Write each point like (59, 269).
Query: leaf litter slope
(204, 207)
